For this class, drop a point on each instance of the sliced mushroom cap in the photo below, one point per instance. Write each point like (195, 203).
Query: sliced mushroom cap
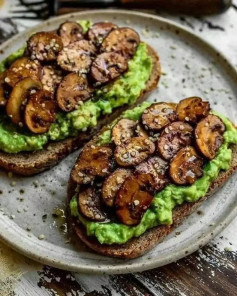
(4, 90)
(89, 205)
(112, 185)
(192, 109)
(158, 115)
(132, 202)
(140, 131)
(99, 31)
(72, 90)
(152, 174)
(107, 67)
(87, 46)
(209, 135)
(44, 46)
(122, 40)
(123, 130)
(40, 111)
(18, 98)
(77, 56)
(23, 68)
(186, 166)
(93, 161)
(133, 151)
(70, 32)
(175, 136)
(51, 77)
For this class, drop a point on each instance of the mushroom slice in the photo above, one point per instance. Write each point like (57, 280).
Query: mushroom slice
(40, 111)
(122, 40)
(186, 166)
(93, 161)
(51, 77)
(18, 98)
(209, 135)
(4, 90)
(99, 31)
(77, 56)
(23, 68)
(176, 135)
(112, 185)
(140, 131)
(159, 115)
(89, 205)
(70, 32)
(107, 67)
(151, 174)
(73, 90)
(44, 46)
(133, 151)
(192, 109)
(132, 202)
(123, 130)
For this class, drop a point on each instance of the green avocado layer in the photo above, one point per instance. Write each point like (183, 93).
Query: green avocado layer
(160, 211)
(123, 91)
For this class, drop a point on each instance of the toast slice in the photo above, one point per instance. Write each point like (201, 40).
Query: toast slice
(140, 245)
(30, 163)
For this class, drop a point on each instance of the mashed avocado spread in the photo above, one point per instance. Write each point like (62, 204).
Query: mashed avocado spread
(124, 91)
(160, 211)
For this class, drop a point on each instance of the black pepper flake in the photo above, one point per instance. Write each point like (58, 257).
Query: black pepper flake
(44, 217)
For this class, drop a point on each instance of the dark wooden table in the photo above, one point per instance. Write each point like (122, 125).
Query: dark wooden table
(210, 271)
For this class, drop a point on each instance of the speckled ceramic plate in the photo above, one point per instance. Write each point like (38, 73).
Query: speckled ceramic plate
(190, 67)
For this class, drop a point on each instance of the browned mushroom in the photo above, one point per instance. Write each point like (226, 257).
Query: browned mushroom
(140, 131)
(192, 109)
(112, 185)
(176, 135)
(70, 32)
(151, 174)
(89, 205)
(99, 31)
(122, 40)
(209, 135)
(123, 130)
(77, 56)
(4, 90)
(107, 67)
(73, 90)
(23, 68)
(131, 202)
(186, 166)
(133, 151)
(40, 111)
(93, 161)
(18, 98)
(44, 46)
(51, 77)
(159, 115)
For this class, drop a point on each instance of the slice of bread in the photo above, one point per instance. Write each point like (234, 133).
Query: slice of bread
(138, 246)
(30, 163)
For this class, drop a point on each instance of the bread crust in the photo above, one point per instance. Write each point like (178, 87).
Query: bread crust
(140, 245)
(31, 163)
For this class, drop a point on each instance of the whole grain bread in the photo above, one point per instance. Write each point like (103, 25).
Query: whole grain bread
(30, 163)
(138, 246)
